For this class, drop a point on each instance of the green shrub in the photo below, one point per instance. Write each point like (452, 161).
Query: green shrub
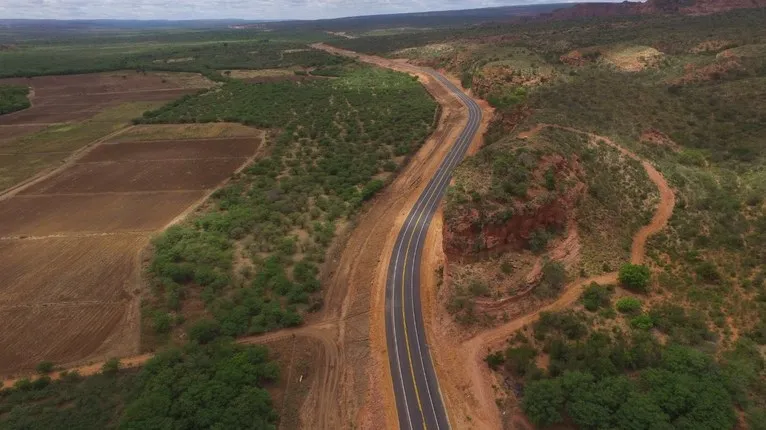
(635, 277)
(44, 367)
(628, 305)
(595, 296)
(642, 322)
(553, 280)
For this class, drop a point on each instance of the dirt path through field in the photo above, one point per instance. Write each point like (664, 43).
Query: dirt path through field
(479, 397)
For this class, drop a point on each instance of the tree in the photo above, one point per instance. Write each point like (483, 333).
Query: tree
(641, 413)
(595, 296)
(544, 402)
(204, 331)
(635, 277)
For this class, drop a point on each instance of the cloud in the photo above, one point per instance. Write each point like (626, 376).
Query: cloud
(220, 9)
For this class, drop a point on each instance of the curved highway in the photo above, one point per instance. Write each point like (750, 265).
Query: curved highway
(418, 399)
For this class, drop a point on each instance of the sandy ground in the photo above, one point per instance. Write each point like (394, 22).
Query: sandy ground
(466, 381)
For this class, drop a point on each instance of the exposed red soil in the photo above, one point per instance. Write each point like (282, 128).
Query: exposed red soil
(475, 395)
(712, 71)
(463, 234)
(656, 137)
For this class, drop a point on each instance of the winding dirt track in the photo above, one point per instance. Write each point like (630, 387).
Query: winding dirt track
(481, 379)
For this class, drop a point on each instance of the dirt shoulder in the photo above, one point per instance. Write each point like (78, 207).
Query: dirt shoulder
(356, 290)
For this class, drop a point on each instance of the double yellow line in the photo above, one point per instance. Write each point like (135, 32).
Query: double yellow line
(423, 210)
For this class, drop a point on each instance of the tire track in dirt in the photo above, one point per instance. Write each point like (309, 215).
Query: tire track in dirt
(480, 388)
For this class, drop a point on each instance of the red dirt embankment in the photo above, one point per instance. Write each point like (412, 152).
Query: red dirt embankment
(473, 396)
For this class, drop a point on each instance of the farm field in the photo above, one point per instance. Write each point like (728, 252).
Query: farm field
(70, 245)
(68, 113)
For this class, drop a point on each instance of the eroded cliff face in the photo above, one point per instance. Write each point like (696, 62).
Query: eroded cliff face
(476, 232)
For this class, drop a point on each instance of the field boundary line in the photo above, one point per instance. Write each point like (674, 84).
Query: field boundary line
(68, 161)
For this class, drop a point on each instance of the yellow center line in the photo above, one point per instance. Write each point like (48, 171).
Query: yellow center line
(404, 318)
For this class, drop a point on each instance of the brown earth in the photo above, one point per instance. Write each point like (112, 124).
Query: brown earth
(127, 176)
(69, 263)
(64, 299)
(174, 150)
(465, 379)
(352, 386)
(77, 97)
(10, 132)
(43, 215)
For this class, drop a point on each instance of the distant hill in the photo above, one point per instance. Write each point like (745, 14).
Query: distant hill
(684, 7)
(448, 18)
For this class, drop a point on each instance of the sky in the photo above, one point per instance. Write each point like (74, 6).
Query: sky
(241, 9)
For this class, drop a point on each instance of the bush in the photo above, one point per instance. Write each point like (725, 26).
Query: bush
(595, 296)
(111, 366)
(635, 277)
(554, 278)
(642, 322)
(628, 305)
(44, 367)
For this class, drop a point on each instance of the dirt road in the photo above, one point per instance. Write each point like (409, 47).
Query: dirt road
(479, 395)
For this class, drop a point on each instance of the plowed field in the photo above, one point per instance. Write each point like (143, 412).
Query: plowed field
(126, 176)
(69, 245)
(66, 214)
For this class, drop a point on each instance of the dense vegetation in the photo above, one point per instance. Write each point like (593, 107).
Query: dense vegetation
(253, 258)
(697, 113)
(201, 56)
(219, 385)
(13, 98)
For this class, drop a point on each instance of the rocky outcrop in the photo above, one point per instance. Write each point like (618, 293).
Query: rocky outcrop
(474, 233)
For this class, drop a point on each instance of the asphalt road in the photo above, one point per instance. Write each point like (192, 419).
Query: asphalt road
(418, 399)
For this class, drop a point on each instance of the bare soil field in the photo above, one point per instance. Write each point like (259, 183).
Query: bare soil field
(110, 82)
(173, 150)
(62, 334)
(43, 215)
(70, 245)
(127, 176)
(85, 269)
(71, 112)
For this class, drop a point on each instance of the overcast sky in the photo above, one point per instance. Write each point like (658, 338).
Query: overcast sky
(244, 9)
